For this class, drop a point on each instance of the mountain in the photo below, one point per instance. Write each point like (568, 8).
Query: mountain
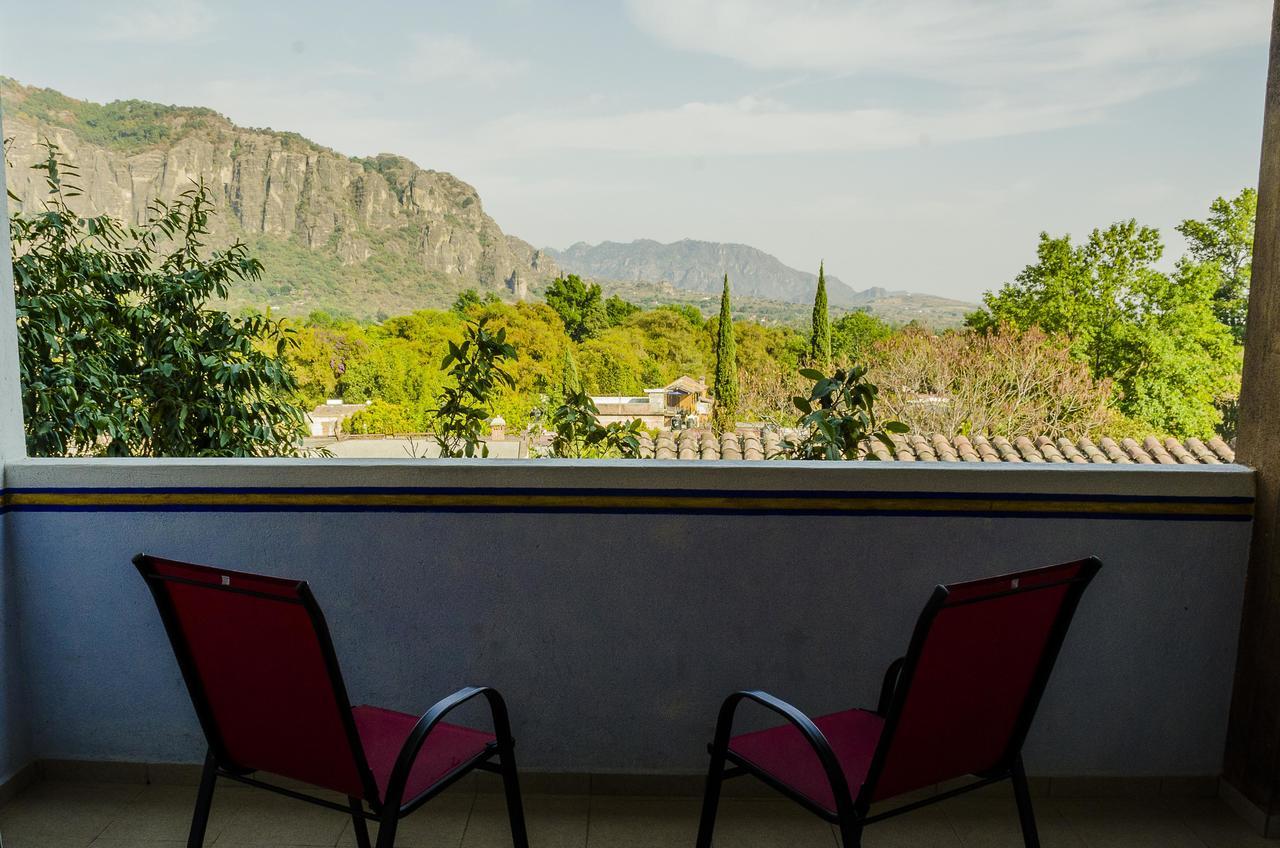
(700, 266)
(375, 236)
(362, 237)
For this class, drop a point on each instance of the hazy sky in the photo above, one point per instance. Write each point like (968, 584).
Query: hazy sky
(917, 144)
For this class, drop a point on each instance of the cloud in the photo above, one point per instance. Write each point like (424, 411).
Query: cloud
(976, 69)
(440, 57)
(752, 126)
(157, 22)
(966, 42)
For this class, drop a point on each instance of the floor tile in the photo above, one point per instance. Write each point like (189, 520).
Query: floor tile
(439, 824)
(553, 821)
(642, 822)
(990, 822)
(1129, 823)
(66, 815)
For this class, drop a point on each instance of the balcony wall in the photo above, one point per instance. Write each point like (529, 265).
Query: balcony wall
(615, 604)
(15, 747)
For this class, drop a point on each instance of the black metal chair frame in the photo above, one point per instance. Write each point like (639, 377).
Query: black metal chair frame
(852, 814)
(393, 807)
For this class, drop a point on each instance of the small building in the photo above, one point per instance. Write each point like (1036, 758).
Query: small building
(681, 404)
(326, 419)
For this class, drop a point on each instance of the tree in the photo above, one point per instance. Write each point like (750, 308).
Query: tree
(820, 337)
(726, 381)
(570, 379)
(470, 299)
(854, 334)
(1224, 241)
(579, 305)
(1004, 382)
(1155, 335)
(618, 310)
(118, 354)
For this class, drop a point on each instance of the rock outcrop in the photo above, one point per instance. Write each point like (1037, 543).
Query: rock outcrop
(355, 235)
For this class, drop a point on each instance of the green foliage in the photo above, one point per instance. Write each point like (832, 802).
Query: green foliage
(381, 418)
(820, 333)
(839, 417)
(476, 369)
(1155, 335)
(1224, 242)
(570, 379)
(618, 310)
(725, 387)
(688, 311)
(117, 352)
(470, 299)
(125, 125)
(578, 434)
(579, 305)
(854, 334)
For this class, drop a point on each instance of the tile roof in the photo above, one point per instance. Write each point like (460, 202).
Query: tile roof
(756, 444)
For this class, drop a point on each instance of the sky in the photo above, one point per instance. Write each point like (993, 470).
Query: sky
(917, 145)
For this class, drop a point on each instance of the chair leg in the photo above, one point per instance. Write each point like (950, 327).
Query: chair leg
(358, 823)
(1026, 815)
(711, 799)
(850, 834)
(515, 805)
(387, 828)
(204, 801)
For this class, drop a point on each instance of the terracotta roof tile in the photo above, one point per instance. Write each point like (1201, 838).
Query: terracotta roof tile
(937, 447)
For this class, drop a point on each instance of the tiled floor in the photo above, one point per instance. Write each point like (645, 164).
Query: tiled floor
(73, 815)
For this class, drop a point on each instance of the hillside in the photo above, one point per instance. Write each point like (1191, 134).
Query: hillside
(377, 236)
(357, 236)
(646, 268)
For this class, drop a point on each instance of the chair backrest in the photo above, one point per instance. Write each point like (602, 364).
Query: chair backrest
(258, 661)
(979, 660)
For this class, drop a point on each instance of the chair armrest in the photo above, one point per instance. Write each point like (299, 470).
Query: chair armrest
(418, 736)
(889, 686)
(817, 741)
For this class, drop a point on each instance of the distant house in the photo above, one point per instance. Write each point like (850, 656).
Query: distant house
(326, 419)
(681, 404)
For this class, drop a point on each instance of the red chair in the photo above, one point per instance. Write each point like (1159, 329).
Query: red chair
(959, 703)
(261, 670)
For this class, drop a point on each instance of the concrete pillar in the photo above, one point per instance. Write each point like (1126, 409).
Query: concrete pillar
(12, 441)
(1251, 768)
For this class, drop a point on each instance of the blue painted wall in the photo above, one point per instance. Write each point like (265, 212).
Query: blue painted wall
(614, 636)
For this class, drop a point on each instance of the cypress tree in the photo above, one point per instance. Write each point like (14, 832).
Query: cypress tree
(820, 338)
(726, 382)
(570, 381)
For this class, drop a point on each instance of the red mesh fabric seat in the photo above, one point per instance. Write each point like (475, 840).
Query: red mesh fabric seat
(263, 675)
(785, 754)
(384, 732)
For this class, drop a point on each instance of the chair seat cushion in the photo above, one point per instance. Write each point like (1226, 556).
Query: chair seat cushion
(383, 732)
(785, 755)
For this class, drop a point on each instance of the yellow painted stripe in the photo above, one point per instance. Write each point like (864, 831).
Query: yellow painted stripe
(621, 501)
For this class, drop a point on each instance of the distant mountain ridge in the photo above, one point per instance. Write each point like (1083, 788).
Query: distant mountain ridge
(700, 266)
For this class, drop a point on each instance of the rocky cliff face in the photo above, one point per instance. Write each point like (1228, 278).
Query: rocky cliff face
(358, 236)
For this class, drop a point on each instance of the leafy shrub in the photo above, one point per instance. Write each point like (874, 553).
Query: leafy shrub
(839, 417)
(475, 366)
(118, 353)
(578, 433)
